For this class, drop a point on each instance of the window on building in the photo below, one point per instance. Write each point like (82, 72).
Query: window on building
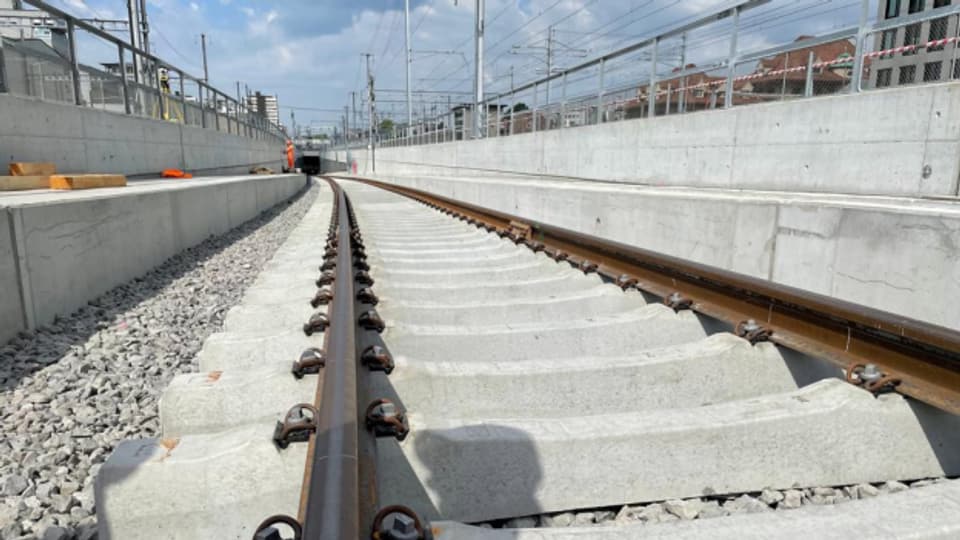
(938, 30)
(915, 6)
(883, 77)
(893, 9)
(908, 75)
(911, 36)
(888, 40)
(940, 3)
(931, 71)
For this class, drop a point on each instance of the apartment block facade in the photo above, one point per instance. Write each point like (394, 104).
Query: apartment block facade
(923, 64)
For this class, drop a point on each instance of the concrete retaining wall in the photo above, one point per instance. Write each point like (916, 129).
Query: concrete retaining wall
(57, 253)
(901, 141)
(82, 139)
(899, 255)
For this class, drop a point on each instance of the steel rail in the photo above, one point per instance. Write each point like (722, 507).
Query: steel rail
(330, 502)
(918, 359)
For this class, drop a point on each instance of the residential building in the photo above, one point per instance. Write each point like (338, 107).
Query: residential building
(21, 25)
(786, 73)
(265, 106)
(923, 64)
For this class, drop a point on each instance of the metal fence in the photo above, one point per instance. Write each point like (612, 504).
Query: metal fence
(63, 59)
(915, 44)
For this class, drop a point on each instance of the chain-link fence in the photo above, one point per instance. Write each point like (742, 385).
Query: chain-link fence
(709, 64)
(66, 60)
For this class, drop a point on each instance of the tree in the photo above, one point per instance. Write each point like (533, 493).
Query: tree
(520, 107)
(386, 127)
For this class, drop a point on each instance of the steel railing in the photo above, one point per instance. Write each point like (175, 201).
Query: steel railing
(144, 84)
(920, 47)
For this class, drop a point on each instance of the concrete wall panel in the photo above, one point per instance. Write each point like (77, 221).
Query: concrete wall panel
(76, 248)
(898, 255)
(12, 317)
(75, 252)
(80, 139)
(199, 214)
(899, 141)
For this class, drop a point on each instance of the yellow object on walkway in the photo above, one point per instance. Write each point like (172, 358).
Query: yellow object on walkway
(32, 169)
(17, 183)
(87, 181)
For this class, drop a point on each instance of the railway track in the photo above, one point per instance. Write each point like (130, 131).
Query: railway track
(538, 384)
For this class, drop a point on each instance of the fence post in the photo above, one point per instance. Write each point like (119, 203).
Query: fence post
(123, 79)
(74, 61)
(666, 110)
(732, 62)
(563, 102)
(183, 99)
(536, 100)
(203, 105)
(808, 87)
(857, 75)
(681, 101)
(499, 116)
(513, 104)
(603, 64)
(652, 93)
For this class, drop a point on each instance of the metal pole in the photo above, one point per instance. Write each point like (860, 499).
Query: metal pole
(603, 64)
(563, 103)
(353, 107)
(549, 62)
(808, 88)
(183, 100)
(513, 105)
(132, 18)
(498, 114)
(732, 62)
(666, 110)
(406, 22)
(74, 61)
(144, 27)
(123, 79)
(239, 104)
(783, 85)
(203, 104)
(478, 61)
(536, 99)
(370, 120)
(682, 105)
(857, 76)
(203, 47)
(652, 93)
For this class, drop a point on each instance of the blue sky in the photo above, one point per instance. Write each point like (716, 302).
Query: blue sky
(309, 51)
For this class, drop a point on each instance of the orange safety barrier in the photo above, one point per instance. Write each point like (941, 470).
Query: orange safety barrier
(175, 173)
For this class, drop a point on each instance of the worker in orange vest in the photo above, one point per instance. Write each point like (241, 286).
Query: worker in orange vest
(289, 155)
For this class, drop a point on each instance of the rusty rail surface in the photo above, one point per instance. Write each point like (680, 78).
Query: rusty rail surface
(334, 503)
(878, 350)
(331, 499)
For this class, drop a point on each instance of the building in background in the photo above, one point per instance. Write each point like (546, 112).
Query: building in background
(23, 25)
(264, 105)
(923, 64)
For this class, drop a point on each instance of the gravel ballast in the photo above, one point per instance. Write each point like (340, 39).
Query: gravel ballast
(768, 500)
(72, 389)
